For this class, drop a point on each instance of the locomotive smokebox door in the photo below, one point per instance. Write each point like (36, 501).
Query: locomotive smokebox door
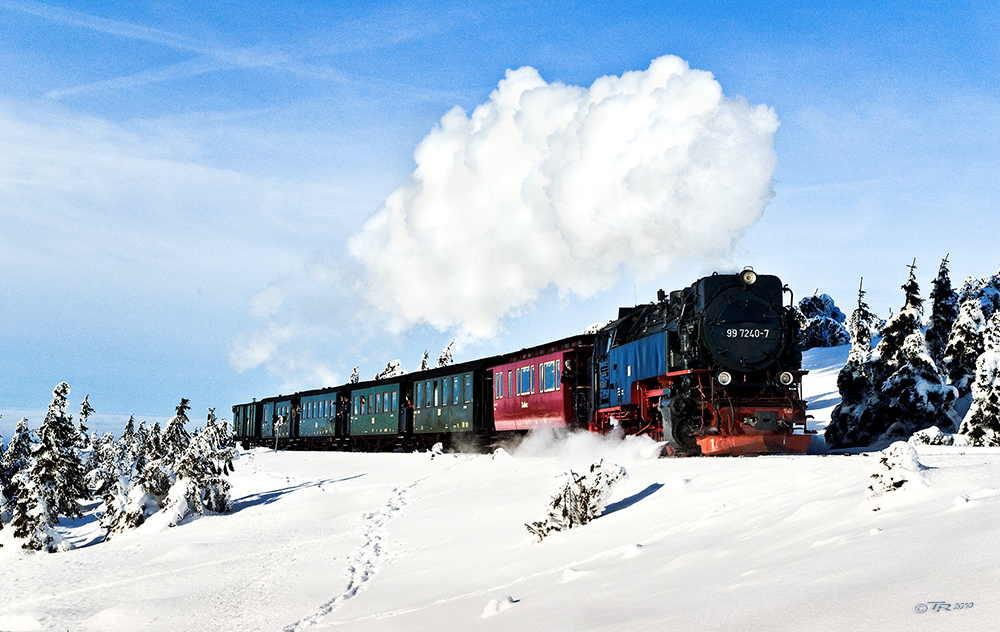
(744, 330)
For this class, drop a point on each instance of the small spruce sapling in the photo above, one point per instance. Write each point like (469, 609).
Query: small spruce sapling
(446, 358)
(581, 499)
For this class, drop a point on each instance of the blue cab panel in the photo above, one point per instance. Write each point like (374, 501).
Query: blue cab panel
(637, 360)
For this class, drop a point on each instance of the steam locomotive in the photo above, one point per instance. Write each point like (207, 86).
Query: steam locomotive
(712, 369)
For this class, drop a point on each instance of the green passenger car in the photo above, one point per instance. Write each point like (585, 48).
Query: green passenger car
(375, 410)
(318, 415)
(445, 404)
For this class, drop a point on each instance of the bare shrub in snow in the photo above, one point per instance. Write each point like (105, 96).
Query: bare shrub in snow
(581, 499)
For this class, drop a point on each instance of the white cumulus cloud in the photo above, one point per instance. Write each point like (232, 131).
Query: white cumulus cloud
(551, 185)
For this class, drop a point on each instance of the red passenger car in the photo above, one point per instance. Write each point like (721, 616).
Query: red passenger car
(544, 386)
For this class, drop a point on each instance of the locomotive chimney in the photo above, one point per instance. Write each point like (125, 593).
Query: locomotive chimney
(661, 296)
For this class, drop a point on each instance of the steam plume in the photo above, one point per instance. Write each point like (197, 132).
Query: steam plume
(551, 185)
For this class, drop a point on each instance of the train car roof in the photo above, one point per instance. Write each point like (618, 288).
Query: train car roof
(579, 340)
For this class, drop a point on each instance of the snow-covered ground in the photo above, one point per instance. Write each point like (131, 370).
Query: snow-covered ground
(410, 542)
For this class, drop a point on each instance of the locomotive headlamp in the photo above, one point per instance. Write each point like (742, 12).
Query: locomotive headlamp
(786, 378)
(748, 276)
(724, 378)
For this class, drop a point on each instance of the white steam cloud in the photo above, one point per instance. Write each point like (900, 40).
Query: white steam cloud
(550, 185)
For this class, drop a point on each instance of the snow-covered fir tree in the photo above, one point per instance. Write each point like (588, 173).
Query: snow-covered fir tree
(148, 445)
(855, 381)
(822, 323)
(392, 369)
(16, 457)
(982, 423)
(894, 390)
(965, 343)
(219, 436)
(944, 311)
(54, 482)
(445, 359)
(355, 378)
(104, 467)
(175, 437)
(900, 326)
(145, 497)
(86, 410)
(200, 485)
(914, 397)
(128, 444)
(424, 365)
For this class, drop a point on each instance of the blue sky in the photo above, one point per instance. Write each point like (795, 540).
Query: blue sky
(178, 181)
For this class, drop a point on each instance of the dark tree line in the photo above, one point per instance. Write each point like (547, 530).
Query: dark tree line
(47, 475)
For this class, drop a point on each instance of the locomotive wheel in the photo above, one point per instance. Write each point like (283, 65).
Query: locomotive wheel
(685, 431)
(683, 424)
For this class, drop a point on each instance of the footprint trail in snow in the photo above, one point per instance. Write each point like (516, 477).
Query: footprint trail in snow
(364, 563)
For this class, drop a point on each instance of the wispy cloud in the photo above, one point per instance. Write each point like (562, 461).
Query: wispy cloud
(104, 25)
(211, 58)
(387, 30)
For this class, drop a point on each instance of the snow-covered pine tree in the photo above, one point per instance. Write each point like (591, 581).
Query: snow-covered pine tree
(982, 423)
(965, 343)
(219, 437)
(355, 378)
(152, 447)
(16, 457)
(914, 397)
(200, 485)
(85, 411)
(145, 497)
(445, 359)
(823, 323)
(128, 446)
(855, 381)
(175, 437)
(423, 362)
(58, 436)
(944, 311)
(104, 467)
(900, 326)
(54, 482)
(392, 369)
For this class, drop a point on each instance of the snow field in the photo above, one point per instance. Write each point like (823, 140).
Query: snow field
(324, 541)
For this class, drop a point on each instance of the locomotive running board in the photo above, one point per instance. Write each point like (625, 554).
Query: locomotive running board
(755, 444)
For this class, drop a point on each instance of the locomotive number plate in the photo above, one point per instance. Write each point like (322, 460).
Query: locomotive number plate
(746, 332)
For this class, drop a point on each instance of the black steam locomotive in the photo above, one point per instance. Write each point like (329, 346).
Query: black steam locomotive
(711, 369)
